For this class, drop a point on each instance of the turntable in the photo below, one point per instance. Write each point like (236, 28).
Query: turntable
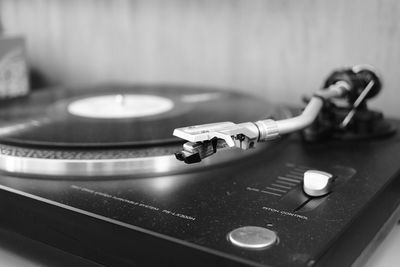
(98, 173)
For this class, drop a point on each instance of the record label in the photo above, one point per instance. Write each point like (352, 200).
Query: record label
(120, 106)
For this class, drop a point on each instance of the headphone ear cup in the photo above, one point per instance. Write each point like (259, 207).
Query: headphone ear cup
(365, 74)
(357, 77)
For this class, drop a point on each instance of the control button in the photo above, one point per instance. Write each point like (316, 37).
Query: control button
(317, 183)
(252, 237)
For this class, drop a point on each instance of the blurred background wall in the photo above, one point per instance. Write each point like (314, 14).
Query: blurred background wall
(277, 49)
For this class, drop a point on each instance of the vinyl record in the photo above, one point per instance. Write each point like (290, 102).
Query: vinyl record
(119, 116)
(111, 131)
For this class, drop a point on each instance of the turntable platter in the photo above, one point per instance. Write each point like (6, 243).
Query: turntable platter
(114, 130)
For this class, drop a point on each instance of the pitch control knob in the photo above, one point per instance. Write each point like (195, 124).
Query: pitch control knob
(317, 183)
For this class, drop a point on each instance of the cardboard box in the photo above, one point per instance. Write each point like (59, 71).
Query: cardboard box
(13, 67)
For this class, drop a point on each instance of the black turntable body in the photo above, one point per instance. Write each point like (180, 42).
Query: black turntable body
(157, 214)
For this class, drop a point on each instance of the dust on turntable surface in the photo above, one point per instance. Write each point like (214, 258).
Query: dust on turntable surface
(114, 130)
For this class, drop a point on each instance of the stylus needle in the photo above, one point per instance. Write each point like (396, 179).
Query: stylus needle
(195, 152)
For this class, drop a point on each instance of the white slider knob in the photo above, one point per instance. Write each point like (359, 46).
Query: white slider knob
(317, 183)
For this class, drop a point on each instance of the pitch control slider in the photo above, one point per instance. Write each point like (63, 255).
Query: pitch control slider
(206, 139)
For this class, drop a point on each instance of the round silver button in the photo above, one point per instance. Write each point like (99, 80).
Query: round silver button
(252, 237)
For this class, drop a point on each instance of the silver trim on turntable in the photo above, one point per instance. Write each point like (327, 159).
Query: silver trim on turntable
(98, 164)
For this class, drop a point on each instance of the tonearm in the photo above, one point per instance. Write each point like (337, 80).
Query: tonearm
(354, 85)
